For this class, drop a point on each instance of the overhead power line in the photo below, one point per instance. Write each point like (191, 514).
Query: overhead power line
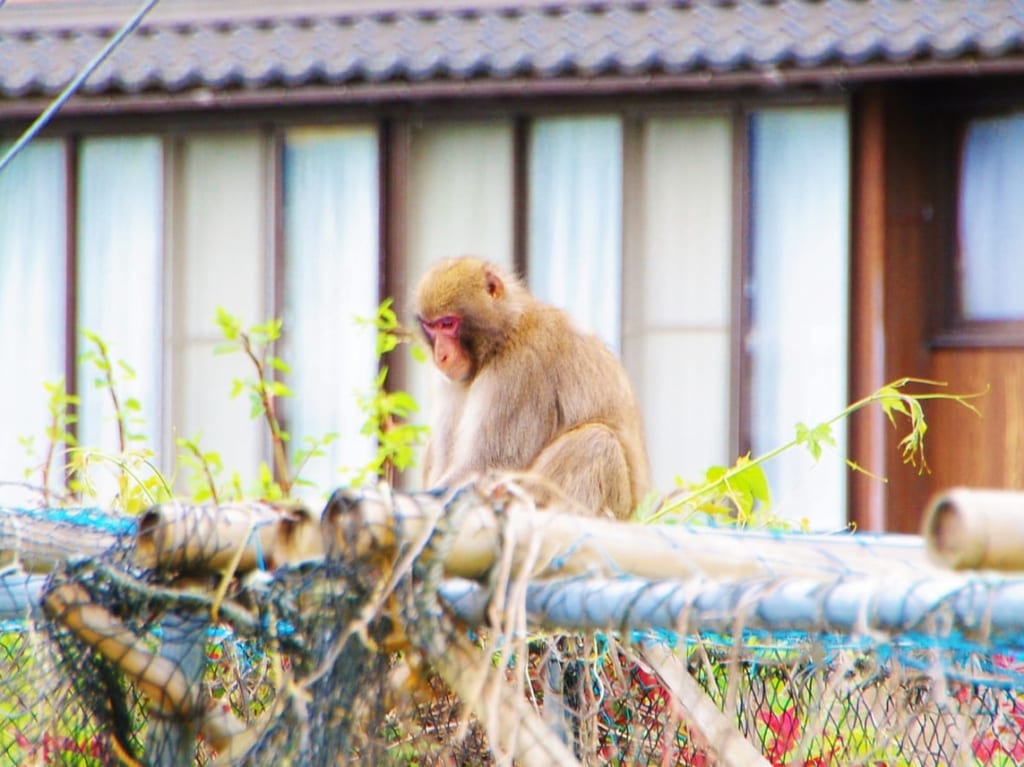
(71, 88)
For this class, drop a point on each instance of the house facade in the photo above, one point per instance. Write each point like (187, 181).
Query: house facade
(767, 209)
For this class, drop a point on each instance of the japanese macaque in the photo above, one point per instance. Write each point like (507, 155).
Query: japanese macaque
(526, 391)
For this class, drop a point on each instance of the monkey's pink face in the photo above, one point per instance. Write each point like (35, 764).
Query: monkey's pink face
(450, 356)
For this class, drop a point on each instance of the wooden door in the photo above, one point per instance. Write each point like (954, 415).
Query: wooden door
(907, 167)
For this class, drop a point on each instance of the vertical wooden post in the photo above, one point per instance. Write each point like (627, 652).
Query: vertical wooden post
(867, 308)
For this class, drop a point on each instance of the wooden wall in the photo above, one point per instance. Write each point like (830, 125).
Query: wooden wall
(901, 238)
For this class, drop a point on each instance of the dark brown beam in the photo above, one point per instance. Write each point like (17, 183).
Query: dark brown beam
(769, 78)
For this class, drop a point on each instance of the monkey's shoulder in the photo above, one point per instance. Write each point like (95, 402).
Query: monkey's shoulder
(550, 329)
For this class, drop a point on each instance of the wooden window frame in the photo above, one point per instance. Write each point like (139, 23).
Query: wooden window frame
(950, 327)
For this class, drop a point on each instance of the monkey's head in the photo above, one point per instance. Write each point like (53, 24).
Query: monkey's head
(466, 308)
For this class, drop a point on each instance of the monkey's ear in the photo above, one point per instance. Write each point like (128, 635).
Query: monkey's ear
(495, 287)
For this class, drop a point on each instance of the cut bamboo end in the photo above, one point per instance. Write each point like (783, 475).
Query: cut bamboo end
(966, 529)
(207, 539)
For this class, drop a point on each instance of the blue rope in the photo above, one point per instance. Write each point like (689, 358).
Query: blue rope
(95, 518)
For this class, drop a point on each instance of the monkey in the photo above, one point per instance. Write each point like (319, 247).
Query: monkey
(523, 390)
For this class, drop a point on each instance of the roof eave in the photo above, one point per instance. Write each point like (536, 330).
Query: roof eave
(204, 98)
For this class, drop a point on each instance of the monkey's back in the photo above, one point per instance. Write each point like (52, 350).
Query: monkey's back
(589, 385)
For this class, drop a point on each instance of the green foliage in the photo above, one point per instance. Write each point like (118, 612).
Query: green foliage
(61, 416)
(739, 494)
(387, 412)
(895, 402)
(256, 343)
(735, 495)
(205, 467)
(385, 415)
(139, 483)
(312, 448)
(110, 374)
(815, 438)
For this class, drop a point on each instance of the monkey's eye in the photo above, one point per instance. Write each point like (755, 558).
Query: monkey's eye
(447, 324)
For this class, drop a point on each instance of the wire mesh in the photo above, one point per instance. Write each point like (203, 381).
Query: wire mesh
(341, 660)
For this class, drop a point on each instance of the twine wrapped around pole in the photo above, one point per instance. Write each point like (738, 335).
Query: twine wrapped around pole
(205, 539)
(976, 529)
(358, 523)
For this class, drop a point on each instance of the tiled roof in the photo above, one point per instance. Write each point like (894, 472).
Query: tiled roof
(415, 45)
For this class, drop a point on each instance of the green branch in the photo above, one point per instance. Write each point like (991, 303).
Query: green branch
(745, 483)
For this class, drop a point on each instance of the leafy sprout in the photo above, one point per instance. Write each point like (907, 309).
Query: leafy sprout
(742, 489)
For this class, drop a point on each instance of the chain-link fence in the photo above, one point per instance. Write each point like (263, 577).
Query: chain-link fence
(408, 630)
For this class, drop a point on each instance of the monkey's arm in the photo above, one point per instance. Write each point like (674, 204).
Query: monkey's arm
(449, 400)
(510, 414)
(428, 462)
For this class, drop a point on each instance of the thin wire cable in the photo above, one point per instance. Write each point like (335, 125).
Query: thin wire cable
(75, 84)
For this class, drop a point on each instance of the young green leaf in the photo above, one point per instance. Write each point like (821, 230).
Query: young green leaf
(230, 326)
(279, 364)
(813, 439)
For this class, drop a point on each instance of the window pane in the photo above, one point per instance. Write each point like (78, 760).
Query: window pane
(678, 271)
(32, 303)
(575, 219)
(119, 297)
(460, 192)
(220, 235)
(799, 268)
(991, 224)
(331, 276)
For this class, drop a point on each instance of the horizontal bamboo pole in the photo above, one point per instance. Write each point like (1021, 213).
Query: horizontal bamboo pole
(37, 540)
(976, 529)
(206, 539)
(551, 542)
(161, 680)
(369, 521)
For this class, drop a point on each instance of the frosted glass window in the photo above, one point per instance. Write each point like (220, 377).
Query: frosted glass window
(678, 269)
(991, 224)
(460, 192)
(331, 277)
(33, 300)
(220, 232)
(798, 339)
(120, 219)
(575, 219)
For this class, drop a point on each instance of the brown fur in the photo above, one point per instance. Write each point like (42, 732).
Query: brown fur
(540, 397)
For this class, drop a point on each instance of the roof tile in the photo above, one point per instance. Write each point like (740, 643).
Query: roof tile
(564, 38)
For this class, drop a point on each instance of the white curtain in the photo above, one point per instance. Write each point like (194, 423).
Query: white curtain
(120, 243)
(678, 340)
(460, 192)
(331, 277)
(220, 231)
(575, 219)
(33, 300)
(991, 224)
(799, 279)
